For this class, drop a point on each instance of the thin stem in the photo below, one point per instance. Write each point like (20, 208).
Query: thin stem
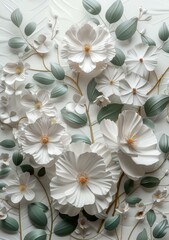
(44, 64)
(20, 222)
(133, 230)
(117, 234)
(121, 235)
(37, 70)
(90, 125)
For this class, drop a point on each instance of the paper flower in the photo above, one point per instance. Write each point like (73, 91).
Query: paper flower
(83, 179)
(133, 90)
(78, 105)
(10, 117)
(142, 59)
(42, 45)
(3, 212)
(14, 89)
(123, 208)
(159, 195)
(87, 46)
(108, 81)
(140, 215)
(102, 101)
(4, 159)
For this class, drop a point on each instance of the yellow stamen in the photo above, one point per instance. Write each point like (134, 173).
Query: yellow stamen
(134, 91)
(86, 48)
(22, 188)
(44, 139)
(18, 70)
(83, 179)
(111, 82)
(38, 104)
(130, 141)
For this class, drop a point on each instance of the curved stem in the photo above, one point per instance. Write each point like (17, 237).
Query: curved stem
(37, 70)
(20, 222)
(133, 230)
(90, 125)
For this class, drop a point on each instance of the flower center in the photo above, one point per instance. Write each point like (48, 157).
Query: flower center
(18, 70)
(134, 91)
(22, 187)
(111, 82)
(38, 104)
(141, 60)
(130, 141)
(44, 139)
(87, 48)
(82, 179)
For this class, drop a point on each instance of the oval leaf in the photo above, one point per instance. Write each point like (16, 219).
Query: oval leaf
(64, 228)
(58, 91)
(16, 17)
(80, 138)
(160, 229)
(7, 143)
(128, 186)
(111, 112)
(37, 234)
(44, 78)
(164, 143)
(30, 28)
(111, 223)
(16, 42)
(4, 171)
(57, 71)
(41, 172)
(115, 12)
(37, 216)
(151, 217)
(149, 123)
(126, 29)
(92, 6)
(163, 32)
(74, 118)
(17, 158)
(142, 235)
(40, 205)
(27, 168)
(92, 92)
(166, 47)
(2, 185)
(9, 224)
(119, 58)
(133, 199)
(147, 40)
(149, 182)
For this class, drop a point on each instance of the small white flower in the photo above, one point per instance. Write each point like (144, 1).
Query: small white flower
(133, 90)
(102, 101)
(14, 89)
(4, 159)
(42, 45)
(3, 213)
(159, 195)
(142, 59)
(123, 208)
(140, 215)
(108, 81)
(21, 188)
(78, 105)
(10, 117)
(83, 226)
(88, 46)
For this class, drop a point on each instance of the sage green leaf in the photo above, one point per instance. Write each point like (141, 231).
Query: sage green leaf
(27, 168)
(2, 185)
(119, 58)
(149, 182)
(4, 171)
(58, 90)
(57, 71)
(160, 229)
(147, 40)
(69, 218)
(92, 92)
(74, 118)
(44, 78)
(95, 20)
(40, 205)
(92, 6)
(80, 138)
(142, 235)
(149, 123)
(17, 158)
(128, 186)
(16, 17)
(164, 143)
(37, 215)
(64, 228)
(111, 112)
(41, 172)
(115, 12)
(133, 199)
(155, 105)
(7, 143)
(29, 85)
(30, 28)
(163, 32)
(9, 224)
(126, 29)
(111, 223)
(16, 42)
(151, 217)
(165, 47)
(37, 234)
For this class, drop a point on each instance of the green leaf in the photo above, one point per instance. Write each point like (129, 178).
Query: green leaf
(27, 168)
(165, 47)
(16, 42)
(58, 90)
(163, 32)
(160, 229)
(2, 185)
(44, 78)
(149, 123)
(37, 215)
(128, 186)
(111, 223)
(95, 20)
(16, 17)
(40, 205)
(164, 143)
(74, 118)
(9, 224)
(155, 105)
(111, 112)
(57, 71)
(142, 235)
(92, 6)
(126, 29)
(133, 199)
(4, 171)
(151, 217)
(147, 40)
(69, 218)
(17, 158)
(30, 28)
(7, 143)
(115, 12)
(37, 234)
(89, 217)
(80, 138)
(149, 182)
(64, 228)
(92, 92)
(41, 172)
(119, 58)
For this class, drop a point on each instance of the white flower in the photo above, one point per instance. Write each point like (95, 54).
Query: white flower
(15, 72)
(123, 208)
(160, 196)
(10, 117)
(43, 140)
(4, 159)
(135, 143)
(83, 179)
(42, 45)
(21, 188)
(102, 101)
(78, 105)
(3, 213)
(133, 90)
(88, 46)
(14, 89)
(108, 81)
(142, 59)
(140, 211)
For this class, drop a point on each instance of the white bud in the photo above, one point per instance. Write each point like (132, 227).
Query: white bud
(143, 31)
(140, 9)
(145, 11)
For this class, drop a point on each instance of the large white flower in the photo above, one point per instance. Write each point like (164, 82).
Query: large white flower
(135, 143)
(43, 139)
(134, 89)
(108, 81)
(86, 177)
(142, 59)
(88, 46)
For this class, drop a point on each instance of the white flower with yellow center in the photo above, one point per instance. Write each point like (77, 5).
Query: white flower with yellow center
(88, 46)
